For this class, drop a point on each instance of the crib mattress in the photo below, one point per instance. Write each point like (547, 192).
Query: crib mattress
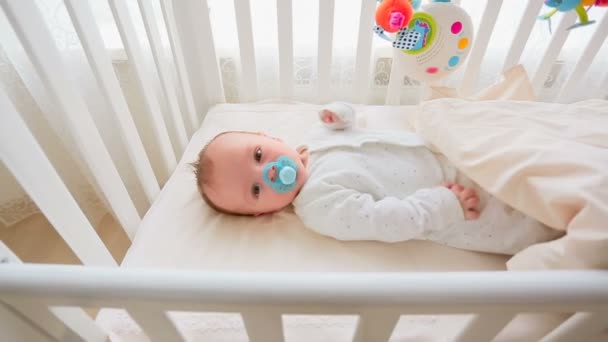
(180, 231)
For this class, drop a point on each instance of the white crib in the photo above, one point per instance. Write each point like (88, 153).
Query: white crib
(43, 302)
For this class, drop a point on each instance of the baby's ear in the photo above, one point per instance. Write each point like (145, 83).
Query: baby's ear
(303, 152)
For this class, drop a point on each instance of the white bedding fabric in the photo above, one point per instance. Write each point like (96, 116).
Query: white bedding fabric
(180, 231)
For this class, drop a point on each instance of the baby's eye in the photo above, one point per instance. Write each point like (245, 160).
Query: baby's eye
(255, 190)
(257, 154)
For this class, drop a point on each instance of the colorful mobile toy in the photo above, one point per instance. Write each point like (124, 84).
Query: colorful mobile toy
(435, 40)
(393, 15)
(576, 5)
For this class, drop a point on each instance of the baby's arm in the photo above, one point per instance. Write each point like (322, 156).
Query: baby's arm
(337, 115)
(347, 214)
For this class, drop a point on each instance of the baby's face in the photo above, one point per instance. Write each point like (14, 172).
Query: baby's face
(237, 182)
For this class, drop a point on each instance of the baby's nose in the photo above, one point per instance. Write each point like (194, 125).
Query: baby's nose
(272, 173)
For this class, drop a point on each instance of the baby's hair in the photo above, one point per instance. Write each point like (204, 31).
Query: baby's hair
(203, 170)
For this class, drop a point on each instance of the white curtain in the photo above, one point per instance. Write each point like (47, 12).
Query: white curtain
(346, 26)
(18, 77)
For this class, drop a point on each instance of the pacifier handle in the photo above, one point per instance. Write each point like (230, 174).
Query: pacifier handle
(287, 175)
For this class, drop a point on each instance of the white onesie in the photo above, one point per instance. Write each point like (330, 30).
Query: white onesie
(363, 188)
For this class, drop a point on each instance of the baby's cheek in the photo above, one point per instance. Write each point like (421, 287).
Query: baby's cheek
(272, 198)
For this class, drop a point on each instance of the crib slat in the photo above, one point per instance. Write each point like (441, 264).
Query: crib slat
(523, 32)
(480, 45)
(28, 23)
(194, 31)
(180, 64)
(249, 78)
(206, 48)
(100, 62)
(80, 322)
(285, 23)
(263, 326)
(364, 50)
(582, 326)
(167, 86)
(557, 41)
(395, 81)
(483, 327)
(326, 32)
(155, 324)
(53, 320)
(26, 160)
(375, 326)
(602, 90)
(583, 63)
(7, 255)
(194, 27)
(135, 54)
(14, 327)
(45, 320)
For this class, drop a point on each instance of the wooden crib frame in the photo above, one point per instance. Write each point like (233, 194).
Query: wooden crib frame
(41, 302)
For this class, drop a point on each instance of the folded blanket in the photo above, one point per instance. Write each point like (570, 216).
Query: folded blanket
(548, 160)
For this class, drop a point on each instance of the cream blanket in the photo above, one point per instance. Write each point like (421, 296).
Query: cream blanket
(548, 160)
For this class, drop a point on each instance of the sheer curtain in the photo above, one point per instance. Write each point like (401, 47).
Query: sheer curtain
(19, 79)
(346, 25)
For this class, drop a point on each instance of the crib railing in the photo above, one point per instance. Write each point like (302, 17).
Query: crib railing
(378, 298)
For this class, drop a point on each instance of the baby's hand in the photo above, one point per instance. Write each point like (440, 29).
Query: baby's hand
(337, 115)
(329, 117)
(468, 200)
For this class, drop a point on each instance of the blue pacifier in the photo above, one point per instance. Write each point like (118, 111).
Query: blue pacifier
(285, 173)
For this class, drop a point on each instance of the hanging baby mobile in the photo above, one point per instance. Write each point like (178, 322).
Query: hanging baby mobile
(435, 38)
(580, 6)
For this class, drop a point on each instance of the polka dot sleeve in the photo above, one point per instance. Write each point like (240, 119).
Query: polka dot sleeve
(350, 215)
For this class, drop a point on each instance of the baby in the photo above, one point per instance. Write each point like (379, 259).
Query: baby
(356, 184)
